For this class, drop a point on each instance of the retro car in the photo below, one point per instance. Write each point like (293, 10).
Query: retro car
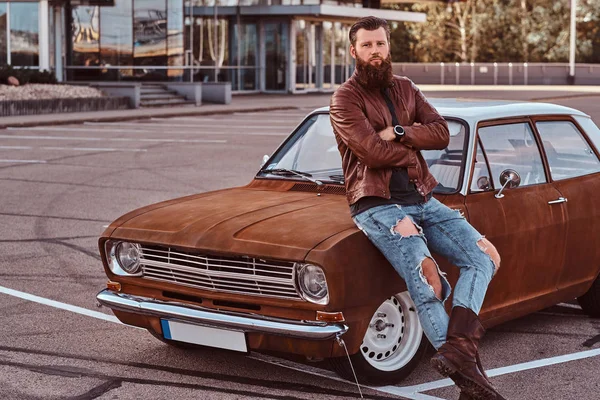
(278, 265)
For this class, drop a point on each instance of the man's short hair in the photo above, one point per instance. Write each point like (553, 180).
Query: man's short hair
(369, 23)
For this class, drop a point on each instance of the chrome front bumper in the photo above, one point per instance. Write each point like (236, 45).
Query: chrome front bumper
(314, 330)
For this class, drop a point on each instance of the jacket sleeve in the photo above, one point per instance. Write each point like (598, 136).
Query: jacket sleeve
(351, 125)
(433, 132)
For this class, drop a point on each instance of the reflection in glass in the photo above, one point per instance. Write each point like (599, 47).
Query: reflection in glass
(24, 32)
(244, 48)
(3, 16)
(150, 36)
(568, 153)
(342, 54)
(513, 146)
(210, 48)
(116, 36)
(481, 179)
(86, 36)
(446, 165)
(276, 44)
(312, 149)
(305, 55)
(175, 48)
(328, 55)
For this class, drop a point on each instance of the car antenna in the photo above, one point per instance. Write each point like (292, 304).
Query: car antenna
(343, 344)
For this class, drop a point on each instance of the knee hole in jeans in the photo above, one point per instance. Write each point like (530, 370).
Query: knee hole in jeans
(405, 227)
(430, 275)
(488, 248)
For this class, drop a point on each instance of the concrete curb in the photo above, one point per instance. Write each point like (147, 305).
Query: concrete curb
(54, 119)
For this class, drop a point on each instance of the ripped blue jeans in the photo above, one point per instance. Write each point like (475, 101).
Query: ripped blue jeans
(445, 232)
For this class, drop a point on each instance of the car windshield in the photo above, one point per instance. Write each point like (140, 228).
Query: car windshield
(313, 151)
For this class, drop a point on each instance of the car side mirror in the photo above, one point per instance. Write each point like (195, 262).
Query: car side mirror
(508, 178)
(483, 183)
(264, 160)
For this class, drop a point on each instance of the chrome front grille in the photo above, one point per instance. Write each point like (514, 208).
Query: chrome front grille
(243, 275)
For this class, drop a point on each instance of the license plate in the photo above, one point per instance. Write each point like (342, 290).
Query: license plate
(204, 335)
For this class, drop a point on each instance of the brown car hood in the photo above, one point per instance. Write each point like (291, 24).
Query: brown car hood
(266, 223)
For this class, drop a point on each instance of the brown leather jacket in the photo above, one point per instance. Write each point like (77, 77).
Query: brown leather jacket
(358, 113)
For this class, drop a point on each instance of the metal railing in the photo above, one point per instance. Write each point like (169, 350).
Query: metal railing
(243, 78)
(498, 73)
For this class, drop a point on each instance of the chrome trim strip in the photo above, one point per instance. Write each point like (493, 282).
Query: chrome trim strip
(559, 200)
(243, 275)
(313, 330)
(212, 273)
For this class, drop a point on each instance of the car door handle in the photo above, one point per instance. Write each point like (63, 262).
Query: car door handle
(559, 200)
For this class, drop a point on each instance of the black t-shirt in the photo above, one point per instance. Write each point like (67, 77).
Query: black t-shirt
(402, 192)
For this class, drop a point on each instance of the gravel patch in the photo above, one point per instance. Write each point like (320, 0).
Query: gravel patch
(39, 92)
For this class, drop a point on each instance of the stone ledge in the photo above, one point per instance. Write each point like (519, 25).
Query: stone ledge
(65, 105)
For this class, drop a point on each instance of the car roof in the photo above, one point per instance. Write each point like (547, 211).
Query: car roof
(479, 110)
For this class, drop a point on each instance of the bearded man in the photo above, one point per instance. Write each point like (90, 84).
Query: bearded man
(381, 123)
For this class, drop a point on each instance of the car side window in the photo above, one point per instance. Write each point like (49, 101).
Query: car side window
(513, 146)
(482, 179)
(568, 153)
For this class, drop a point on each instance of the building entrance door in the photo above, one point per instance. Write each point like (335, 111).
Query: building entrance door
(276, 56)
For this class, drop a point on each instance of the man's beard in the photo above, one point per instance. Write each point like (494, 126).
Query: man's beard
(374, 76)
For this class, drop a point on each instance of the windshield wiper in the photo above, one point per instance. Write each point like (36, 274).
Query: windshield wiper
(337, 178)
(284, 171)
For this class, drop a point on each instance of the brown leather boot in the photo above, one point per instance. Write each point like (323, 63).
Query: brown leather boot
(458, 357)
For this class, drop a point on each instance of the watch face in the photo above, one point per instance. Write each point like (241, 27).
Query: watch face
(398, 130)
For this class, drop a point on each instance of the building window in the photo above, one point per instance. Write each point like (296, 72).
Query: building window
(175, 49)
(3, 35)
(116, 37)
(24, 34)
(244, 54)
(210, 49)
(86, 36)
(150, 37)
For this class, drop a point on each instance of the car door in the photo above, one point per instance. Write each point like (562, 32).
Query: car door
(574, 170)
(528, 232)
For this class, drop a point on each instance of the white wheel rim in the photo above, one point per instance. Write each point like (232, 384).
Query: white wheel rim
(394, 334)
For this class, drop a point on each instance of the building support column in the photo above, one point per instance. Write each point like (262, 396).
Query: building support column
(291, 58)
(262, 57)
(319, 37)
(58, 43)
(44, 36)
(572, 41)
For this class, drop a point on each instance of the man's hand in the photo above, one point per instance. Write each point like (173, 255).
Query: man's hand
(387, 134)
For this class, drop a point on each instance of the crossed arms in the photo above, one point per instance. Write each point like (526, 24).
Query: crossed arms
(377, 149)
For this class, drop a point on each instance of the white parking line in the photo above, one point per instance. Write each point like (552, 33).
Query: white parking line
(67, 148)
(545, 362)
(227, 131)
(411, 392)
(82, 129)
(227, 124)
(58, 304)
(92, 139)
(200, 119)
(25, 161)
(91, 149)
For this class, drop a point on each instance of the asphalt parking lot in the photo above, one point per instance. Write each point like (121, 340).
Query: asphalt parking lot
(61, 185)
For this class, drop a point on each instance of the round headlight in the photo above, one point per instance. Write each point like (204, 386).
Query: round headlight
(312, 283)
(128, 257)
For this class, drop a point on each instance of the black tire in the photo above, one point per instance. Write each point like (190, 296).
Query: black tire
(392, 366)
(590, 301)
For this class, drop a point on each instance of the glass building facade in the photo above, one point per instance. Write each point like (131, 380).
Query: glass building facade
(257, 45)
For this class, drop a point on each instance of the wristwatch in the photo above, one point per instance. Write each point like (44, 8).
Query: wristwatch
(399, 132)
